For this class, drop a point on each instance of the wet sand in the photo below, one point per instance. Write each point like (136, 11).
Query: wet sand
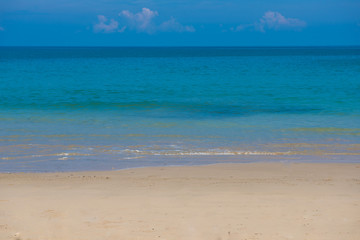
(224, 201)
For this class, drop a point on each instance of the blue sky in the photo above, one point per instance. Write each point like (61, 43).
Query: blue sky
(179, 22)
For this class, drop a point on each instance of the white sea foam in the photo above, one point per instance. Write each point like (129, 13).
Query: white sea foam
(204, 153)
(63, 154)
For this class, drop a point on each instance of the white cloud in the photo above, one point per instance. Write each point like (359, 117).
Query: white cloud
(275, 21)
(174, 26)
(105, 27)
(142, 21)
(241, 27)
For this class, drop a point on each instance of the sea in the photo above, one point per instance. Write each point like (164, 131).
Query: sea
(110, 108)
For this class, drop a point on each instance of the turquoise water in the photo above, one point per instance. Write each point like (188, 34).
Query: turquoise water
(109, 108)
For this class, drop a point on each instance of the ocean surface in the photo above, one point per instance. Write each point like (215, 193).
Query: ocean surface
(80, 108)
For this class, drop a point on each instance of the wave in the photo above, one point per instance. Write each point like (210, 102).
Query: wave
(202, 153)
(162, 108)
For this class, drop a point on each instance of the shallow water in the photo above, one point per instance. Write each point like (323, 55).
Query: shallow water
(67, 109)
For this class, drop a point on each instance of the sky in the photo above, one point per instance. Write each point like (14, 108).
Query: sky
(179, 22)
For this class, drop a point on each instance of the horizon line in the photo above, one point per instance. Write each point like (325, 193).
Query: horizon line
(184, 46)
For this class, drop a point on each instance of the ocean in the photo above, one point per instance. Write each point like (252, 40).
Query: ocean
(106, 108)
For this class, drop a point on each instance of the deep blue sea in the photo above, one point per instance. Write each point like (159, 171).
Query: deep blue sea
(103, 108)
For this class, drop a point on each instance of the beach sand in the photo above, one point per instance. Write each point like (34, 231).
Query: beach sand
(224, 201)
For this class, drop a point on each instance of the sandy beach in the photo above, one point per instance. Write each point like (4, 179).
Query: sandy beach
(225, 201)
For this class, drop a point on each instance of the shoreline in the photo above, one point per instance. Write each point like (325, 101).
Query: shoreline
(66, 166)
(248, 162)
(217, 201)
